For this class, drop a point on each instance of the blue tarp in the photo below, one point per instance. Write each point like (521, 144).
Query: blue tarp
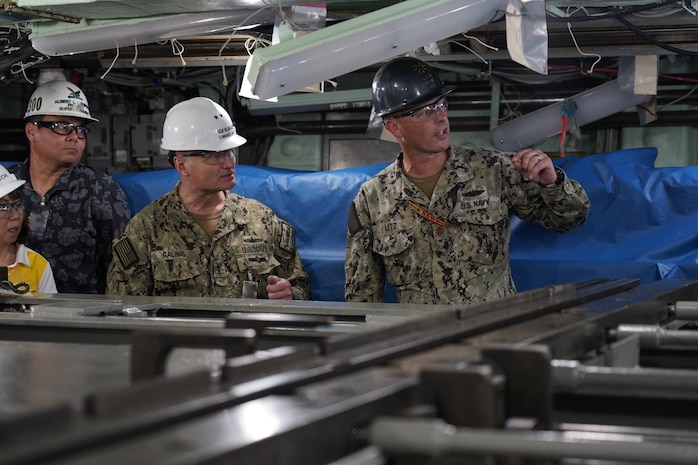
(643, 221)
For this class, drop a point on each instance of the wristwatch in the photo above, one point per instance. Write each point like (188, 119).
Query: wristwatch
(558, 180)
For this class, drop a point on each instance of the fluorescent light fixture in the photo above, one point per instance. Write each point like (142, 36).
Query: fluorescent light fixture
(107, 35)
(355, 43)
(309, 102)
(591, 105)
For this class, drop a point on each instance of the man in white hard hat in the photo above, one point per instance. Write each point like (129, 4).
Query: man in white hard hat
(74, 211)
(200, 239)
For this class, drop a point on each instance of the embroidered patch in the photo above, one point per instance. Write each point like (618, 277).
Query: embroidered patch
(287, 241)
(353, 220)
(127, 255)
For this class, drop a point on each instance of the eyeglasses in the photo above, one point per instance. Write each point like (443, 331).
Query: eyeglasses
(9, 209)
(425, 113)
(63, 128)
(212, 158)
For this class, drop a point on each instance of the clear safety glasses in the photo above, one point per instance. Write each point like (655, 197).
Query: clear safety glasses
(63, 128)
(425, 113)
(212, 158)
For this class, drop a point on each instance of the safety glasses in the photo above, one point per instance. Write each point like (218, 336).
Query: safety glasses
(425, 113)
(63, 128)
(211, 158)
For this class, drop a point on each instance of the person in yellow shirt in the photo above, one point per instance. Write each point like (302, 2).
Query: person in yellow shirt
(22, 270)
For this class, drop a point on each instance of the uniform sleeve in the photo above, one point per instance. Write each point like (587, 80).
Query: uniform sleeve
(110, 221)
(291, 266)
(130, 272)
(364, 272)
(563, 207)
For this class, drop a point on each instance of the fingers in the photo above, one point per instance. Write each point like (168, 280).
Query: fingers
(534, 165)
(279, 288)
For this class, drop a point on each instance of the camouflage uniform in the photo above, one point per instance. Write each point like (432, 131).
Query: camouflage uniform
(465, 261)
(164, 252)
(85, 210)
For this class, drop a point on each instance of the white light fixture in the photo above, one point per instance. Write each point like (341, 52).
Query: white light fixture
(340, 100)
(126, 33)
(591, 105)
(355, 43)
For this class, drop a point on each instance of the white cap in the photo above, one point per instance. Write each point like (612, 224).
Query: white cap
(8, 182)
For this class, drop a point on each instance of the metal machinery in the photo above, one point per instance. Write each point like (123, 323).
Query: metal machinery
(596, 372)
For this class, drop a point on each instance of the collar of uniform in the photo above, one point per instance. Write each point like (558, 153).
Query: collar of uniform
(408, 190)
(458, 168)
(459, 165)
(233, 213)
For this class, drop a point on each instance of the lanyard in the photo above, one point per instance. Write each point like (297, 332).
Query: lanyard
(426, 215)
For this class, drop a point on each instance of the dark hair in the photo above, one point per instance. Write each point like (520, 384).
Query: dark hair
(24, 229)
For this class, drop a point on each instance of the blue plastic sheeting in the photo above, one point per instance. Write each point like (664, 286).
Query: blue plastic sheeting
(643, 224)
(643, 221)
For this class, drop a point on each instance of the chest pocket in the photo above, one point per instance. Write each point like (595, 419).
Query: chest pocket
(392, 243)
(257, 257)
(403, 261)
(484, 223)
(173, 273)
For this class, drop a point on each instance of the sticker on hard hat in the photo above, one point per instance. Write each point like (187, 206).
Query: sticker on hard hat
(226, 132)
(34, 104)
(69, 105)
(3, 176)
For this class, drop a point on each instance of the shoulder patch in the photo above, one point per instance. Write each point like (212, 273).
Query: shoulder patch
(287, 241)
(353, 220)
(124, 251)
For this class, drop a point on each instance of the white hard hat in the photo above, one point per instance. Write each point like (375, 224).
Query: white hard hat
(199, 124)
(8, 182)
(60, 98)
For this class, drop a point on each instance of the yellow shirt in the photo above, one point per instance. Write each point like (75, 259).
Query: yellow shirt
(33, 269)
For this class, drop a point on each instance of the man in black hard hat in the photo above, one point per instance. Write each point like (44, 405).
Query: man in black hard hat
(436, 221)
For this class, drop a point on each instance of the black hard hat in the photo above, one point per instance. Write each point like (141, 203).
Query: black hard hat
(405, 83)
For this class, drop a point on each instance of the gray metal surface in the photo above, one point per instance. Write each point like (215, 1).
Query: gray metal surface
(311, 390)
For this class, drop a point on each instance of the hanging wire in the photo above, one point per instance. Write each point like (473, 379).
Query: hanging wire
(135, 52)
(116, 57)
(230, 37)
(23, 68)
(178, 49)
(598, 57)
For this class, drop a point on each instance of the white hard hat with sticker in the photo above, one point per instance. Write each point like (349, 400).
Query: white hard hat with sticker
(59, 98)
(199, 124)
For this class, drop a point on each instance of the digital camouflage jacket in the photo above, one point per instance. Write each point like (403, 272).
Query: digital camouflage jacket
(454, 247)
(163, 251)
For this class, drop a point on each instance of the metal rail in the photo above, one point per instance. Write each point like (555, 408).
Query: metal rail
(113, 421)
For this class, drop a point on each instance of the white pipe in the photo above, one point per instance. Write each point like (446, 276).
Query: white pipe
(356, 43)
(535, 127)
(435, 438)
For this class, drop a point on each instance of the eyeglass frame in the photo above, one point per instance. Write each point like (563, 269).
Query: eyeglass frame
(7, 209)
(210, 157)
(80, 130)
(429, 111)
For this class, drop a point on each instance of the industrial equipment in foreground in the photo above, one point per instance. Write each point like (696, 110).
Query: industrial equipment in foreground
(600, 372)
